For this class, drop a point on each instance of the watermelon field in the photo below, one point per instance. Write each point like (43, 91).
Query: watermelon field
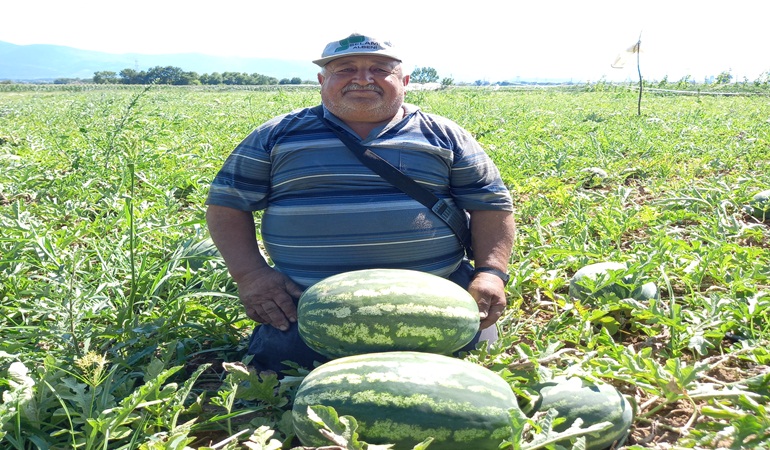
(122, 330)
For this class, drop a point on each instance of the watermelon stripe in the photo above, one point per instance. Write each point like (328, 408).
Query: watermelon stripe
(376, 310)
(574, 398)
(391, 371)
(406, 397)
(389, 309)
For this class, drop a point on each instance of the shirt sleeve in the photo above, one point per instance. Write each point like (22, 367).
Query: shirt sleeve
(475, 180)
(243, 182)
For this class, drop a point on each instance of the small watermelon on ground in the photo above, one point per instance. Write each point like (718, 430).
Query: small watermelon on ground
(194, 253)
(374, 310)
(593, 177)
(403, 398)
(578, 290)
(759, 206)
(575, 398)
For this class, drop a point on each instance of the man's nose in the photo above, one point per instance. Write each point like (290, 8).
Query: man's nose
(364, 76)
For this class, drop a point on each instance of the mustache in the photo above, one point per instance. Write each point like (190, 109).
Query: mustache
(358, 87)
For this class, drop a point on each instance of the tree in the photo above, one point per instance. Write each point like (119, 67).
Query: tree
(424, 75)
(165, 75)
(264, 79)
(231, 78)
(212, 79)
(724, 77)
(189, 78)
(105, 77)
(177, 76)
(131, 76)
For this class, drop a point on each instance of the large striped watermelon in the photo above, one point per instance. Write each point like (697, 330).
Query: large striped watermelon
(593, 272)
(759, 206)
(374, 310)
(403, 398)
(575, 398)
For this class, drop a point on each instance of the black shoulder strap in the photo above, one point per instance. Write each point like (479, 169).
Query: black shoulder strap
(454, 217)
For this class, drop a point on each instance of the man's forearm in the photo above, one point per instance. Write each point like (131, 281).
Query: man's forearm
(234, 234)
(493, 234)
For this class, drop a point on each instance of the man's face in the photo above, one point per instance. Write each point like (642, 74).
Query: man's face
(363, 88)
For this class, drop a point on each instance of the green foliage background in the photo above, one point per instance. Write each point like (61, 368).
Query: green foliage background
(117, 313)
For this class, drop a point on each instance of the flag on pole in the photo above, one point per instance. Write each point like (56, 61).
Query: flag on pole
(622, 58)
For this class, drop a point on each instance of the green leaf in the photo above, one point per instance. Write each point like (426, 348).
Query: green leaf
(340, 431)
(700, 344)
(421, 446)
(22, 393)
(253, 386)
(263, 438)
(548, 437)
(152, 370)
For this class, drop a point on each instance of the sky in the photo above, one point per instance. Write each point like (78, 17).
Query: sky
(490, 40)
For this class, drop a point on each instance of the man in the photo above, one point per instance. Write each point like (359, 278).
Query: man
(326, 213)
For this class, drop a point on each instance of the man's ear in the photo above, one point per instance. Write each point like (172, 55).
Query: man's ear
(406, 80)
(320, 78)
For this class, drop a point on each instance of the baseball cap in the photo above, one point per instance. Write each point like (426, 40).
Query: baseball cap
(356, 44)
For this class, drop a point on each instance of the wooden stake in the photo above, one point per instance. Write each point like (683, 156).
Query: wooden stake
(639, 70)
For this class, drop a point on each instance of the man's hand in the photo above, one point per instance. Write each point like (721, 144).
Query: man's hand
(268, 297)
(493, 234)
(267, 294)
(489, 292)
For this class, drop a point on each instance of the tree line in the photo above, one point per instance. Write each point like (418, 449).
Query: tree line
(171, 75)
(176, 76)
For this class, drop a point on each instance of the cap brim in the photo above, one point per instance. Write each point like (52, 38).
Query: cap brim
(324, 61)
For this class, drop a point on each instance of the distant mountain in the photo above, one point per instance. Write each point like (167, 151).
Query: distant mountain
(40, 62)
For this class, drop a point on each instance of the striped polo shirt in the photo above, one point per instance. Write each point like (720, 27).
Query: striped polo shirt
(324, 212)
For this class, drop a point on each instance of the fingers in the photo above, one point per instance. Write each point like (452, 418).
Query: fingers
(492, 314)
(268, 297)
(278, 312)
(281, 310)
(292, 288)
(489, 294)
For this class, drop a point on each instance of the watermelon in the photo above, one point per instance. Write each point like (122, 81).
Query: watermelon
(574, 398)
(195, 253)
(646, 291)
(759, 206)
(403, 398)
(374, 310)
(593, 177)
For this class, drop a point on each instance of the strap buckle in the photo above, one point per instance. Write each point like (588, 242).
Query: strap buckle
(442, 209)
